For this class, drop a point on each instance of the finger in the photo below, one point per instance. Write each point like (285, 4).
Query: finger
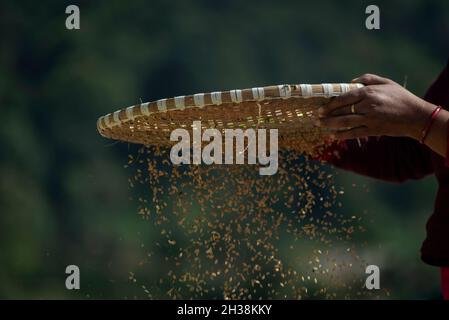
(353, 133)
(341, 122)
(345, 110)
(348, 98)
(359, 108)
(370, 79)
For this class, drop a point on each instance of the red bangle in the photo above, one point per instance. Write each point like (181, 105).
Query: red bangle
(426, 129)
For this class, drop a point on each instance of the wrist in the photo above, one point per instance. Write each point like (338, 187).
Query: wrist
(423, 117)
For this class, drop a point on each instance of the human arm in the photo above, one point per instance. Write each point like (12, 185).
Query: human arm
(384, 108)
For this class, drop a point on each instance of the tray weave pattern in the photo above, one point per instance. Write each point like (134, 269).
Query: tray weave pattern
(289, 108)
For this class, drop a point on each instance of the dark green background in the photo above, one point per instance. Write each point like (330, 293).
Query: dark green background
(63, 191)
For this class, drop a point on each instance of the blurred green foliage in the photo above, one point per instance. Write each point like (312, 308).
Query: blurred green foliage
(63, 191)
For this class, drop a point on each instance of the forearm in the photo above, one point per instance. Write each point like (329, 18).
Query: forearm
(437, 138)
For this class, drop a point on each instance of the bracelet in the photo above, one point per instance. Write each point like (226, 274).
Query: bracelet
(426, 129)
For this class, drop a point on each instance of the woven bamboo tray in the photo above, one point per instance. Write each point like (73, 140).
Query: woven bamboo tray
(289, 108)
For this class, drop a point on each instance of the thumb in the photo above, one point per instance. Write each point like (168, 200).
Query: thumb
(370, 79)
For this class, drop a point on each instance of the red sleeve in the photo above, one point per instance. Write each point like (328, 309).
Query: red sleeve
(386, 158)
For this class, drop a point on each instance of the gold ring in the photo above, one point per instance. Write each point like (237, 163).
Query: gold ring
(352, 108)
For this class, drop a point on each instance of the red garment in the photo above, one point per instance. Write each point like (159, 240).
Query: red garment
(445, 283)
(397, 159)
